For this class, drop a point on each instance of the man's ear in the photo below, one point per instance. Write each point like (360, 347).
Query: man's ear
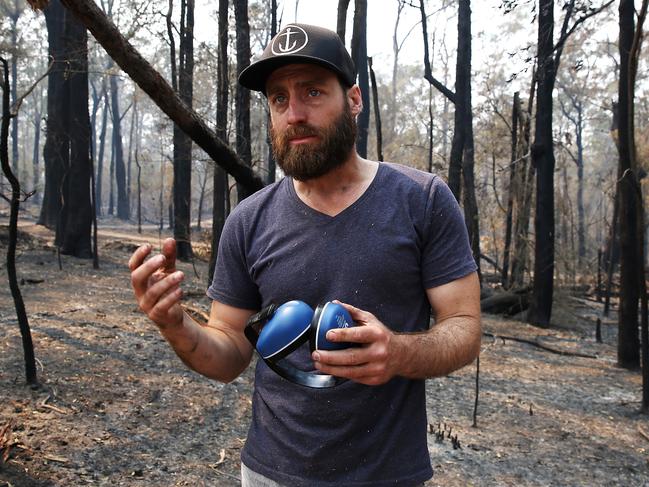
(355, 100)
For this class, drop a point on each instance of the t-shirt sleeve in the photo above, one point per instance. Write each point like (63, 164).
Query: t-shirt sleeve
(232, 283)
(446, 252)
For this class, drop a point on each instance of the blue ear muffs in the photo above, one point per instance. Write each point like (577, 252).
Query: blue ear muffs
(328, 316)
(285, 331)
(275, 332)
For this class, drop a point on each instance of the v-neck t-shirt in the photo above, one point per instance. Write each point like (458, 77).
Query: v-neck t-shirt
(403, 235)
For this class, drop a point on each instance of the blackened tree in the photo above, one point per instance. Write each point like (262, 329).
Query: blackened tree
(14, 201)
(242, 95)
(182, 79)
(67, 205)
(359, 55)
(547, 65)
(461, 166)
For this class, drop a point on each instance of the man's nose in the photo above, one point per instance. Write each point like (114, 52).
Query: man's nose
(297, 111)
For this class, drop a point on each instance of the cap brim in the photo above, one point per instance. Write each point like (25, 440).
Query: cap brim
(254, 77)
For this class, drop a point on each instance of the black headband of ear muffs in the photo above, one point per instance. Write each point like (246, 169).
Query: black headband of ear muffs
(276, 362)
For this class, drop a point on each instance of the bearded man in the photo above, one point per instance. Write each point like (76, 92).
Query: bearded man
(384, 240)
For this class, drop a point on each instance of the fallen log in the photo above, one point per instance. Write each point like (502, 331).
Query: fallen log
(505, 303)
(537, 344)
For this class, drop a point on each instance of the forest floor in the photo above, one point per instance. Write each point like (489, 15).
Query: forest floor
(116, 407)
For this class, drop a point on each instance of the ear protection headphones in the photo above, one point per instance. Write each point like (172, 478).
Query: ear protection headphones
(277, 331)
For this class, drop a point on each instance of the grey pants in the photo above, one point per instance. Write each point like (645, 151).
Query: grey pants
(250, 478)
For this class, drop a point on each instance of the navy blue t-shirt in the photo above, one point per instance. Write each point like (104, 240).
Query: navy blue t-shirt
(405, 234)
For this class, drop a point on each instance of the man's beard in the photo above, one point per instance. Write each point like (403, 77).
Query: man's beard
(308, 161)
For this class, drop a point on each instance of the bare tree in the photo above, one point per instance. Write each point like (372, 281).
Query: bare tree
(461, 166)
(123, 210)
(66, 203)
(548, 59)
(630, 225)
(341, 23)
(21, 314)
(220, 182)
(359, 55)
(242, 95)
(377, 111)
(182, 70)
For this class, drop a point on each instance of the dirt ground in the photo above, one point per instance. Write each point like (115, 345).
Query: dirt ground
(116, 407)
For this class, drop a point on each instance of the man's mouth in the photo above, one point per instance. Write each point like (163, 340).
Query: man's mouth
(302, 139)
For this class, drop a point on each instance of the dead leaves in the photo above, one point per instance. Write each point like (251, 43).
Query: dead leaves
(7, 442)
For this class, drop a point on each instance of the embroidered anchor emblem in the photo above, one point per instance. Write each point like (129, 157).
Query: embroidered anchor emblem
(294, 39)
(286, 47)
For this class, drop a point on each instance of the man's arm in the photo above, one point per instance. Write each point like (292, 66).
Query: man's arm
(453, 342)
(218, 350)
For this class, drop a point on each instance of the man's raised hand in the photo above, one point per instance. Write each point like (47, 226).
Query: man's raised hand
(156, 284)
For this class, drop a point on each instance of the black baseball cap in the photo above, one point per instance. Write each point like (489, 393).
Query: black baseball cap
(300, 43)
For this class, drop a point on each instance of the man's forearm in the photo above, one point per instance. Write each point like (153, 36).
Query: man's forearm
(447, 346)
(209, 351)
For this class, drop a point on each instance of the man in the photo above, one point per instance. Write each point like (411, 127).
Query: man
(386, 240)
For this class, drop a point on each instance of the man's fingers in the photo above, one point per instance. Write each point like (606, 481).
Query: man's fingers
(160, 313)
(354, 334)
(138, 256)
(169, 251)
(141, 275)
(358, 315)
(354, 356)
(158, 291)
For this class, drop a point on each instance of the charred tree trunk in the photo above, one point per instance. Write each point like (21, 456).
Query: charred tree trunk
(220, 182)
(510, 198)
(74, 232)
(272, 164)
(359, 55)
(111, 179)
(182, 143)
(66, 205)
(581, 216)
(38, 114)
(123, 211)
(463, 105)
(242, 95)
(341, 22)
(548, 59)
(139, 191)
(21, 314)
(462, 144)
(462, 150)
(628, 345)
(634, 55)
(129, 161)
(524, 183)
(377, 112)
(543, 159)
(431, 129)
(100, 155)
(201, 198)
(56, 146)
(96, 103)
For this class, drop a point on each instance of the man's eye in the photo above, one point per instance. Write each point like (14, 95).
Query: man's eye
(313, 92)
(279, 99)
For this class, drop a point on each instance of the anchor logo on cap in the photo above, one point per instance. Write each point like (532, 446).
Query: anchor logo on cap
(291, 40)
